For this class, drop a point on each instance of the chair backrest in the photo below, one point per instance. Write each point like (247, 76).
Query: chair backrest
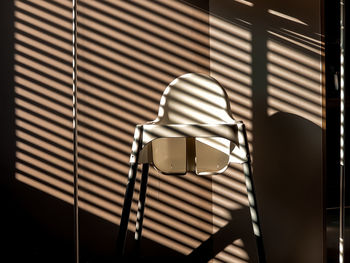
(192, 99)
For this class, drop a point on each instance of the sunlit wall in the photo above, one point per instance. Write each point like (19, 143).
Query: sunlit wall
(269, 61)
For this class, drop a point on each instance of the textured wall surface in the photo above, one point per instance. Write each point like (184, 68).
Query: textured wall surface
(267, 55)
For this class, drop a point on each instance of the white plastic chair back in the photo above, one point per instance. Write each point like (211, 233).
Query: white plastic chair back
(191, 99)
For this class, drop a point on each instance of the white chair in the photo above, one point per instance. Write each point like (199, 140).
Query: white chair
(194, 132)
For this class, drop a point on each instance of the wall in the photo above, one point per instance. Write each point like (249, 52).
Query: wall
(34, 225)
(268, 56)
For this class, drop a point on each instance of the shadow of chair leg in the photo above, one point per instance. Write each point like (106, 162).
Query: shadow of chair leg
(225, 236)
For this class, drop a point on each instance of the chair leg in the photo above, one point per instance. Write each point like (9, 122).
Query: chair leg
(126, 210)
(244, 145)
(129, 192)
(141, 204)
(254, 211)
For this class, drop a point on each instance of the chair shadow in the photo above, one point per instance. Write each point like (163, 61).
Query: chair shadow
(239, 227)
(289, 190)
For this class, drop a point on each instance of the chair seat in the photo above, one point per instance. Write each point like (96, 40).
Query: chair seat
(214, 146)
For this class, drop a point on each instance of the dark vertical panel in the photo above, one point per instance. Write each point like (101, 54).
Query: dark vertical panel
(347, 140)
(7, 159)
(332, 26)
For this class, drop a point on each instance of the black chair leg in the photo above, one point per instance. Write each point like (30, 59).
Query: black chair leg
(126, 211)
(141, 204)
(254, 211)
(129, 192)
(247, 169)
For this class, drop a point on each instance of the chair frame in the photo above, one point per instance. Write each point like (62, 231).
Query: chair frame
(144, 134)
